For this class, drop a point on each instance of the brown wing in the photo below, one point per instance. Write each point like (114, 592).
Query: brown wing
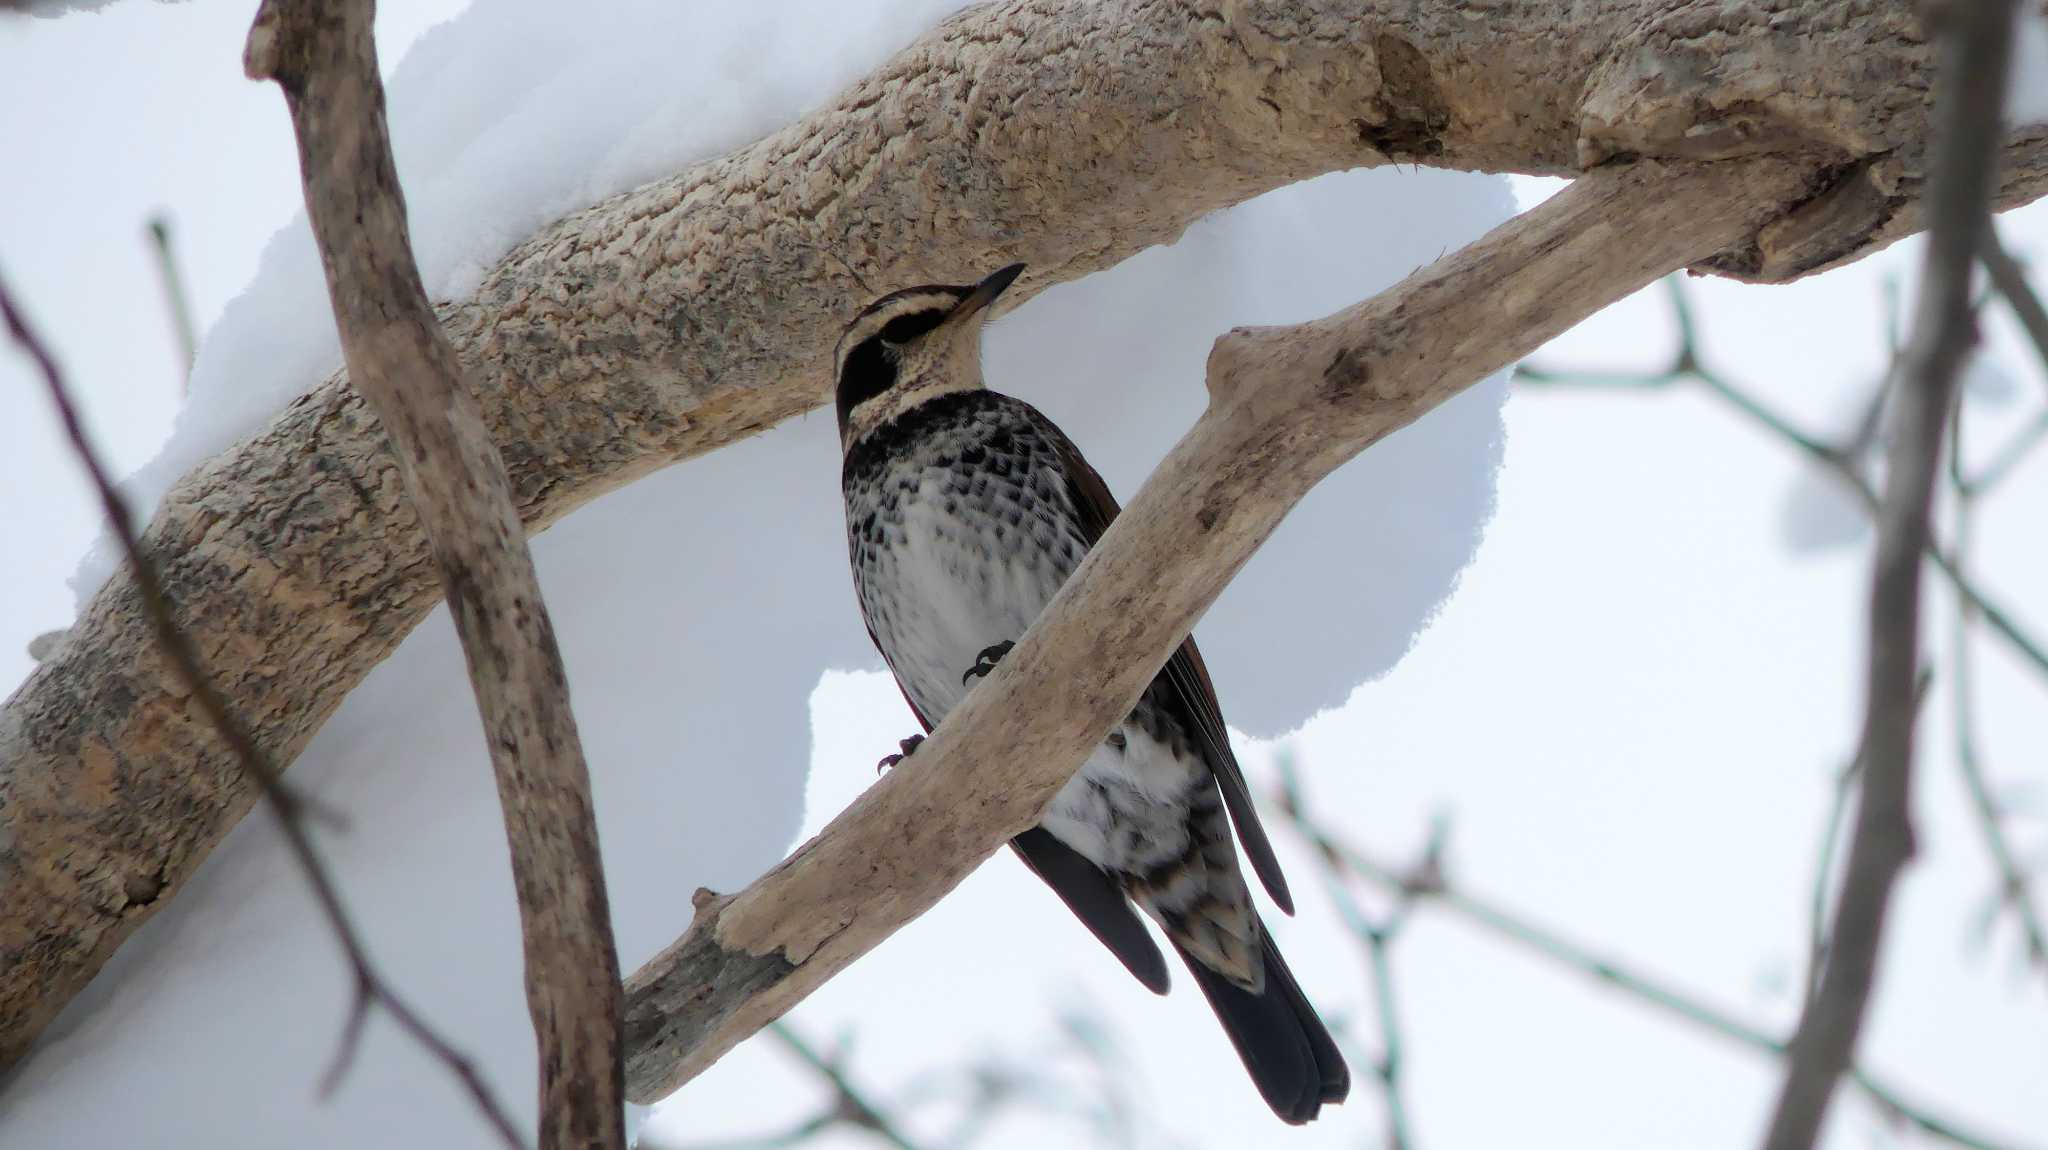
(1185, 673)
(1088, 890)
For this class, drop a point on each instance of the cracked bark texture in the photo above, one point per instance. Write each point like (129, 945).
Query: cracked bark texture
(699, 309)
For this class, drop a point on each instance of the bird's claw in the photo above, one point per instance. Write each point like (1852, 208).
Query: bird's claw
(909, 746)
(987, 660)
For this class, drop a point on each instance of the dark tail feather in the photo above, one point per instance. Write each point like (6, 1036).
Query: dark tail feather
(1283, 1043)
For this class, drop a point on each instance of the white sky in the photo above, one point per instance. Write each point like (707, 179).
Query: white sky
(1631, 708)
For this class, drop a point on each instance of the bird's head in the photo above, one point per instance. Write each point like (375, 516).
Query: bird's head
(911, 346)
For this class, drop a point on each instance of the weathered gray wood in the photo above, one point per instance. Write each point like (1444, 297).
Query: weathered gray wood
(694, 311)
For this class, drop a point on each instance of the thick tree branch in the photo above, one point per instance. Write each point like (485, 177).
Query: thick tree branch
(321, 53)
(1287, 406)
(1975, 44)
(697, 310)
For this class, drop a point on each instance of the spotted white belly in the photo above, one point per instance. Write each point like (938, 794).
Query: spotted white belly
(967, 561)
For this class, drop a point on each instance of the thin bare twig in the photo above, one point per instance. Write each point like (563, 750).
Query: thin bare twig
(1430, 886)
(1974, 42)
(174, 297)
(2011, 282)
(370, 988)
(1843, 459)
(849, 1104)
(2015, 888)
(982, 1088)
(1837, 459)
(1823, 882)
(1824, 866)
(1375, 936)
(2009, 456)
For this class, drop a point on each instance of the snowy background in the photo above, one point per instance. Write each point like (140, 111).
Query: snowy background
(1630, 705)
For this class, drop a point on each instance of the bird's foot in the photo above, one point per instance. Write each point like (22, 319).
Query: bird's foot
(987, 660)
(909, 746)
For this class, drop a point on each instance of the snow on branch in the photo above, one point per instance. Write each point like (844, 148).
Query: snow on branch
(696, 310)
(321, 53)
(1287, 406)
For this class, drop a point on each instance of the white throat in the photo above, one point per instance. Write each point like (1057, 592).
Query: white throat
(871, 416)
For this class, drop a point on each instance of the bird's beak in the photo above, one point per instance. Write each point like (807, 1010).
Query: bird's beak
(985, 292)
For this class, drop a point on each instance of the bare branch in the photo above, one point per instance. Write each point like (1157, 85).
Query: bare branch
(370, 989)
(2011, 282)
(1433, 888)
(1837, 458)
(849, 1103)
(2015, 890)
(174, 295)
(322, 54)
(660, 324)
(1287, 406)
(1974, 47)
(1824, 882)
(1376, 936)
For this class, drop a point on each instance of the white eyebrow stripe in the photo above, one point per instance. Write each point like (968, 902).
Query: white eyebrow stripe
(878, 316)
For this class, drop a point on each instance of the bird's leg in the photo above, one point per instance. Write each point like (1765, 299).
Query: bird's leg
(909, 746)
(987, 660)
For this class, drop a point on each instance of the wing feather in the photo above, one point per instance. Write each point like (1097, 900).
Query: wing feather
(1098, 900)
(1184, 673)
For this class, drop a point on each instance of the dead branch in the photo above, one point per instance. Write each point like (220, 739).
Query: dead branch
(1845, 459)
(370, 987)
(2015, 887)
(1431, 887)
(1375, 936)
(1975, 46)
(1690, 363)
(1287, 406)
(174, 296)
(697, 310)
(321, 53)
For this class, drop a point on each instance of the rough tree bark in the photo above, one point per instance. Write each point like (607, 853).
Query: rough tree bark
(696, 310)
(322, 55)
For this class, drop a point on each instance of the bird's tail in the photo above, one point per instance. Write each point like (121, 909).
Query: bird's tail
(1284, 1044)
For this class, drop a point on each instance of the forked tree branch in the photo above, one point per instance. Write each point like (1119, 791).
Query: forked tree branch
(1975, 48)
(321, 53)
(1287, 405)
(692, 312)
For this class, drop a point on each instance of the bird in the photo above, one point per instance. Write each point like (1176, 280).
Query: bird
(966, 510)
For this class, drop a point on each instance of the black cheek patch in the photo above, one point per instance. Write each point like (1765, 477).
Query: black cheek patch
(869, 371)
